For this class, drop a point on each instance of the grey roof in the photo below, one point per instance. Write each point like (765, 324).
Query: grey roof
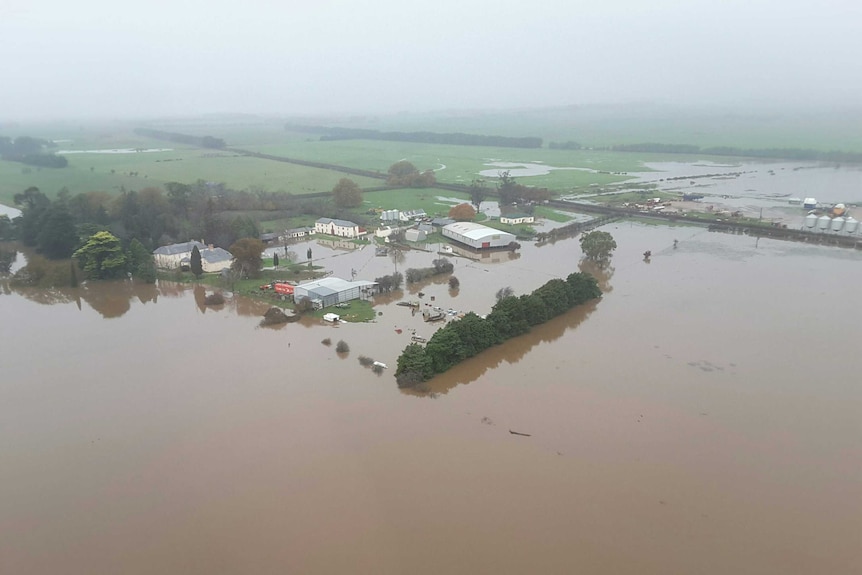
(175, 249)
(298, 231)
(216, 255)
(343, 223)
(442, 221)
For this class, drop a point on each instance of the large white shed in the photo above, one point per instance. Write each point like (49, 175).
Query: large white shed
(477, 236)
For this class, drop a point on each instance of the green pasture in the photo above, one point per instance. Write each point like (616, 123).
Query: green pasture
(463, 164)
(428, 199)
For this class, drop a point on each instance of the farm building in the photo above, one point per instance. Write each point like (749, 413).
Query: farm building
(477, 236)
(215, 259)
(343, 228)
(295, 233)
(415, 235)
(516, 218)
(330, 291)
(175, 255)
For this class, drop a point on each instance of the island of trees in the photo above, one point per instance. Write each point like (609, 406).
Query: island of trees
(31, 151)
(510, 317)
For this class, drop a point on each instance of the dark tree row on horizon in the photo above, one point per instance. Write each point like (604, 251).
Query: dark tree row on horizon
(451, 138)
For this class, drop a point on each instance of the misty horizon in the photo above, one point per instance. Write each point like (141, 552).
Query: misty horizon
(92, 60)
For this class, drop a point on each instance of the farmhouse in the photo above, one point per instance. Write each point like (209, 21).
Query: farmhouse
(516, 218)
(477, 236)
(343, 228)
(329, 291)
(171, 257)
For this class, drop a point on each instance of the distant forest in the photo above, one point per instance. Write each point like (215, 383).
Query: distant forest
(200, 141)
(774, 153)
(31, 151)
(454, 138)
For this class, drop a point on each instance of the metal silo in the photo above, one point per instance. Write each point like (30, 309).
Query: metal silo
(837, 224)
(810, 221)
(851, 225)
(823, 223)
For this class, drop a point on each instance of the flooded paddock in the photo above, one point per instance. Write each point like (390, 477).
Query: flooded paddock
(702, 417)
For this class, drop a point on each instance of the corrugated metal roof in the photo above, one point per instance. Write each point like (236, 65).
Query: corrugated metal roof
(474, 231)
(216, 255)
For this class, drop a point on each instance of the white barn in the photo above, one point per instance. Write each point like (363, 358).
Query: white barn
(477, 236)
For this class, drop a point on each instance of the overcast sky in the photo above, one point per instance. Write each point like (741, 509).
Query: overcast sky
(112, 58)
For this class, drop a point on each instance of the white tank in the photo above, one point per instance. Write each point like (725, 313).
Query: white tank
(810, 220)
(823, 222)
(851, 225)
(837, 224)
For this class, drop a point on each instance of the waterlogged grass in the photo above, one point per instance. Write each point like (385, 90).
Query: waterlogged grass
(463, 164)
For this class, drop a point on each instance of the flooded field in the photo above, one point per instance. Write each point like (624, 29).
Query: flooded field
(703, 417)
(752, 186)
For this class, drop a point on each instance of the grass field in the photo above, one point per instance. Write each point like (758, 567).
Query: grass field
(593, 126)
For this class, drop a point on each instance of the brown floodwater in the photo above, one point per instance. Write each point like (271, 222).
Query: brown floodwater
(703, 417)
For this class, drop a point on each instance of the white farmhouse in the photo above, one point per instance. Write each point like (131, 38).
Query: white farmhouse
(171, 257)
(342, 228)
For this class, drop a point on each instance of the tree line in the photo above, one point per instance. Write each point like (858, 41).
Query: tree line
(451, 138)
(510, 317)
(31, 151)
(199, 141)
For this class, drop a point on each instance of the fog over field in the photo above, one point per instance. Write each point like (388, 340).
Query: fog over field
(98, 58)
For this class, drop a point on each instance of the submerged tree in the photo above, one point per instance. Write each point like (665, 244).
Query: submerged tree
(598, 246)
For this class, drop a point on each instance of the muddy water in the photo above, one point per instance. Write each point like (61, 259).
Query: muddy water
(703, 417)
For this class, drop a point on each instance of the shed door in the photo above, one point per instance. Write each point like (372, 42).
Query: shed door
(486, 244)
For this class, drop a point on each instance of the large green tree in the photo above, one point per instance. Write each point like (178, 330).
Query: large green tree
(140, 262)
(102, 256)
(247, 259)
(598, 246)
(347, 194)
(58, 236)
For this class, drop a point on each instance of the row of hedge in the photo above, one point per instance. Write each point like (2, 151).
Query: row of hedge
(510, 317)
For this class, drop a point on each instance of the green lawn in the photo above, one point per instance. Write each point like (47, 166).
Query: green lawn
(405, 199)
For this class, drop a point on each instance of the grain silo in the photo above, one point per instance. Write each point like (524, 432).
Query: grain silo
(823, 223)
(837, 224)
(811, 221)
(851, 225)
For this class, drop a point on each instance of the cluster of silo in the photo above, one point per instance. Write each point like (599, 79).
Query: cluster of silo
(836, 225)
(389, 215)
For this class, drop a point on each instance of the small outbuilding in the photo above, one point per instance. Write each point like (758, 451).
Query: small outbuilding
(477, 236)
(514, 218)
(415, 235)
